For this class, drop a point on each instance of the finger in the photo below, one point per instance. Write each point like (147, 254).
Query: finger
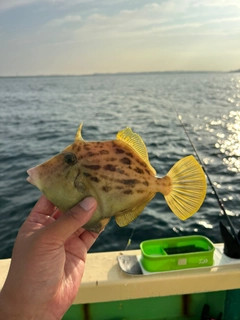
(88, 238)
(40, 215)
(43, 206)
(56, 214)
(72, 220)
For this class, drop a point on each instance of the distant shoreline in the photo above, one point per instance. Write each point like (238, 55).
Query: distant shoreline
(114, 74)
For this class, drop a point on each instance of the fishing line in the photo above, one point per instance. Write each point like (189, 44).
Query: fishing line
(220, 203)
(130, 239)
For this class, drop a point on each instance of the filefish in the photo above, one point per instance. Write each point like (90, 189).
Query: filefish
(118, 174)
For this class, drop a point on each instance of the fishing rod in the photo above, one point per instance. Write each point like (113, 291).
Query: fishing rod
(231, 241)
(130, 239)
(220, 203)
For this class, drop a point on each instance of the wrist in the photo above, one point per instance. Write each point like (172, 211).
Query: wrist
(8, 309)
(13, 309)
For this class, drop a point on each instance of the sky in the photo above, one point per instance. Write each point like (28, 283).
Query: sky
(46, 37)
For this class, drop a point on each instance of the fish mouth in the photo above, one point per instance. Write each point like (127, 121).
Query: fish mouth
(31, 175)
(29, 180)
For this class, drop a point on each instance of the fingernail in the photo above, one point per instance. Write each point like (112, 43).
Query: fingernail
(87, 203)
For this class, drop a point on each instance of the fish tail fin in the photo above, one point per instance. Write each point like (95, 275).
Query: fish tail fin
(188, 187)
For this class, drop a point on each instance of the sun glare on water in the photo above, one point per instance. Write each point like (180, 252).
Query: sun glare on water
(230, 144)
(228, 139)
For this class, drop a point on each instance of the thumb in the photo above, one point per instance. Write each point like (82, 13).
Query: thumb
(73, 219)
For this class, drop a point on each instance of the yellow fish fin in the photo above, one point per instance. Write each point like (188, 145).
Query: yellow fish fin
(79, 133)
(188, 188)
(124, 218)
(136, 143)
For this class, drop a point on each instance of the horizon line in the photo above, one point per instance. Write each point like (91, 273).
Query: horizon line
(117, 73)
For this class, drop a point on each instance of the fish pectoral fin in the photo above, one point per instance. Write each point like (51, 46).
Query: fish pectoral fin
(127, 216)
(98, 226)
(135, 142)
(188, 188)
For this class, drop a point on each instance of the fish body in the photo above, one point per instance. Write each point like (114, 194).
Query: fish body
(119, 176)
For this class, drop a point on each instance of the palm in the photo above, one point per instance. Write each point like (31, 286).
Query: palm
(50, 252)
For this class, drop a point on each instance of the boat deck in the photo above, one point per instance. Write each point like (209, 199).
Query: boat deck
(169, 295)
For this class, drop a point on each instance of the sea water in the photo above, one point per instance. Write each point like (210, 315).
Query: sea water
(39, 117)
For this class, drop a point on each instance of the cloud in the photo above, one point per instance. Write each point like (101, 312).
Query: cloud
(11, 4)
(220, 20)
(64, 20)
(126, 23)
(155, 20)
(120, 35)
(136, 24)
(218, 3)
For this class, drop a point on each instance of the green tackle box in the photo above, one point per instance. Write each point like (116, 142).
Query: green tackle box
(176, 253)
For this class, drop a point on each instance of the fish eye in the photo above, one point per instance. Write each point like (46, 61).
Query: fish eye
(70, 158)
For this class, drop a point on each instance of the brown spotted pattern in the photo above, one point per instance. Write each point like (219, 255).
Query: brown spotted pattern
(111, 166)
(110, 171)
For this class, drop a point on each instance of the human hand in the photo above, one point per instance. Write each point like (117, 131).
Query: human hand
(48, 262)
